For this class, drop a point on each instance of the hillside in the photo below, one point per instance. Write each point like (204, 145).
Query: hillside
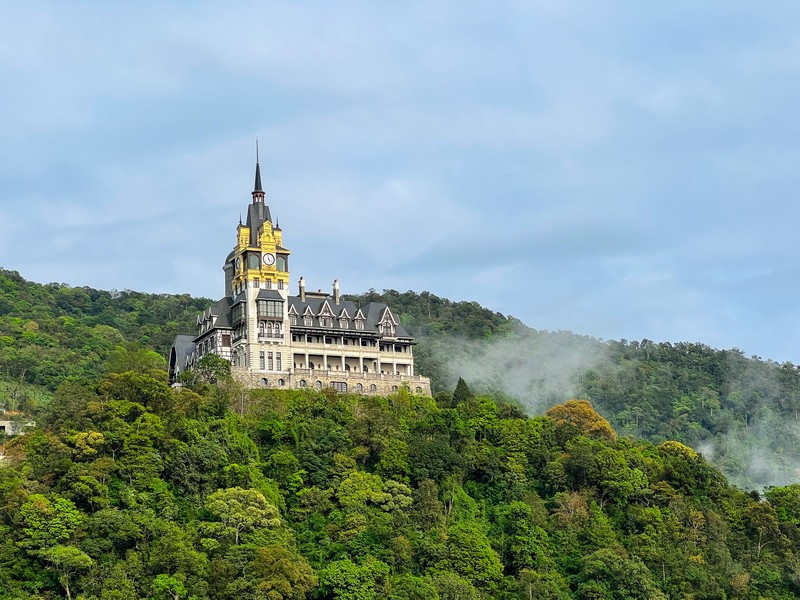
(741, 412)
(132, 490)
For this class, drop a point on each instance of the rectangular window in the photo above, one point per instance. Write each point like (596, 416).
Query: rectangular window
(269, 360)
(226, 340)
(256, 282)
(261, 360)
(270, 308)
(269, 284)
(280, 285)
(237, 313)
(278, 360)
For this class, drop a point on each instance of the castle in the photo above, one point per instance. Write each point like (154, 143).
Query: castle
(313, 339)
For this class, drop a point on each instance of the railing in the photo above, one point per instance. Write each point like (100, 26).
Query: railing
(270, 336)
(353, 374)
(319, 348)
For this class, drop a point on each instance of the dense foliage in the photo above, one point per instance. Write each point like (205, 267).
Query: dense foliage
(742, 412)
(54, 331)
(129, 489)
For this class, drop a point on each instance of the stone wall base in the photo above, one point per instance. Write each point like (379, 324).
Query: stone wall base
(371, 384)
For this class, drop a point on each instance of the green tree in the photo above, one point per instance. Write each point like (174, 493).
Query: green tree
(242, 511)
(462, 392)
(470, 555)
(66, 561)
(165, 587)
(48, 521)
(280, 574)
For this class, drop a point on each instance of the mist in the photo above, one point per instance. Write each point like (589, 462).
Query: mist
(741, 420)
(537, 368)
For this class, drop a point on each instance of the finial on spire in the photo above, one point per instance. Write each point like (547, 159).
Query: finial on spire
(258, 191)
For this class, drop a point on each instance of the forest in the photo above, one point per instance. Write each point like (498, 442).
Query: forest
(592, 487)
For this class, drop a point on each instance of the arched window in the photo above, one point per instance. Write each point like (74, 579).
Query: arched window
(303, 383)
(419, 390)
(318, 385)
(394, 388)
(281, 382)
(373, 388)
(359, 387)
(265, 382)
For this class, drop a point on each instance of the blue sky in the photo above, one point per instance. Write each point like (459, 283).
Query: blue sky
(619, 169)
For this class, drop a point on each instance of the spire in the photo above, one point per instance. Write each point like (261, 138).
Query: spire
(258, 191)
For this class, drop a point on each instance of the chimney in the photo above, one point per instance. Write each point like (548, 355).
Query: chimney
(302, 290)
(336, 291)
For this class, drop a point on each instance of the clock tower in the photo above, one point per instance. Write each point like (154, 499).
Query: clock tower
(257, 281)
(312, 339)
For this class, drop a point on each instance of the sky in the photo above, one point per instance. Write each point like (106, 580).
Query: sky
(617, 169)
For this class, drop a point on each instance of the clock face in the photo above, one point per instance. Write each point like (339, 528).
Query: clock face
(269, 259)
(238, 262)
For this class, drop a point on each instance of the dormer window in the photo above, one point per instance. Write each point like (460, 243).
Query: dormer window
(343, 324)
(292, 319)
(325, 321)
(359, 323)
(308, 321)
(387, 329)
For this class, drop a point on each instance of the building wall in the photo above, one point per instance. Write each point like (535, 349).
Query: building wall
(371, 383)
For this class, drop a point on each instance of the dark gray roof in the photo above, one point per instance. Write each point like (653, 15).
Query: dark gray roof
(373, 312)
(257, 214)
(224, 314)
(257, 187)
(269, 295)
(182, 348)
(241, 297)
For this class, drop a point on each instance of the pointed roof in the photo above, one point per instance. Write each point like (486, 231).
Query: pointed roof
(257, 187)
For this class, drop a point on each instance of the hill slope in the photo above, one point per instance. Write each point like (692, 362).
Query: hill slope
(133, 490)
(742, 412)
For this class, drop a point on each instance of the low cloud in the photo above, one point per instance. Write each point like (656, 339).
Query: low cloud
(538, 369)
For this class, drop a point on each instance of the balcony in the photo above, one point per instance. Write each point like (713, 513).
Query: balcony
(322, 373)
(266, 337)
